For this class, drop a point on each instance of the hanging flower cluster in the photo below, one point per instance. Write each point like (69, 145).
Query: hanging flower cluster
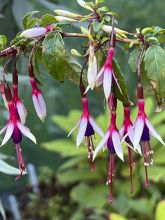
(15, 127)
(136, 136)
(43, 40)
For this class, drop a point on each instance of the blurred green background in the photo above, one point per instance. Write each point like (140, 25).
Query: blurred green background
(68, 189)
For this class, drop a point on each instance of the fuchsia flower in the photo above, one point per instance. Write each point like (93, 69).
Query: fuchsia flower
(111, 140)
(142, 126)
(38, 100)
(142, 130)
(36, 32)
(106, 74)
(87, 128)
(14, 128)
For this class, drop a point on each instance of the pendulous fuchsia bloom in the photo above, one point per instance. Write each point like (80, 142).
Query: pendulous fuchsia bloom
(92, 67)
(36, 32)
(106, 74)
(87, 128)
(142, 130)
(38, 100)
(37, 97)
(142, 126)
(111, 140)
(14, 128)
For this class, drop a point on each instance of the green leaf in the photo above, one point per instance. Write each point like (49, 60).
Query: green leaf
(53, 56)
(133, 59)
(160, 211)
(121, 93)
(142, 206)
(81, 174)
(47, 19)
(3, 42)
(154, 62)
(73, 69)
(97, 25)
(67, 123)
(155, 68)
(64, 148)
(6, 168)
(114, 216)
(86, 195)
(33, 22)
(157, 174)
(27, 18)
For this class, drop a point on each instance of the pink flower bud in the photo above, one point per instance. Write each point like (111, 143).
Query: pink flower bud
(36, 32)
(38, 100)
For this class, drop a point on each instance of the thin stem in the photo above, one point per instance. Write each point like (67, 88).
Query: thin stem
(113, 34)
(139, 63)
(82, 87)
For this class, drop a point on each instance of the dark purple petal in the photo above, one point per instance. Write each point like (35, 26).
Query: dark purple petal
(17, 135)
(89, 130)
(145, 135)
(110, 146)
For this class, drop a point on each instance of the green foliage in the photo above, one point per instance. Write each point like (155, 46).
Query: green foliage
(28, 20)
(120, 89)
(160, 211)
(54, 55)
(133, 59)
(3, 42)
(155, 67)
(47, 19)
(154, 62)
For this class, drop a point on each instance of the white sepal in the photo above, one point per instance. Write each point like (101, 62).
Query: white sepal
(82, 130)
(117, 144)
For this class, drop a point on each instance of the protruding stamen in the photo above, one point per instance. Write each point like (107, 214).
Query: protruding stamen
(90, 152)
(20, 161)
(111, 175)
(146, 164)
(131, 165)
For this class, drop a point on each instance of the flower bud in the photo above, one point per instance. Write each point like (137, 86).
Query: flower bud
(62, 18)
(119, 32)
(66, 14)
(34, 32)
(84, 5)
